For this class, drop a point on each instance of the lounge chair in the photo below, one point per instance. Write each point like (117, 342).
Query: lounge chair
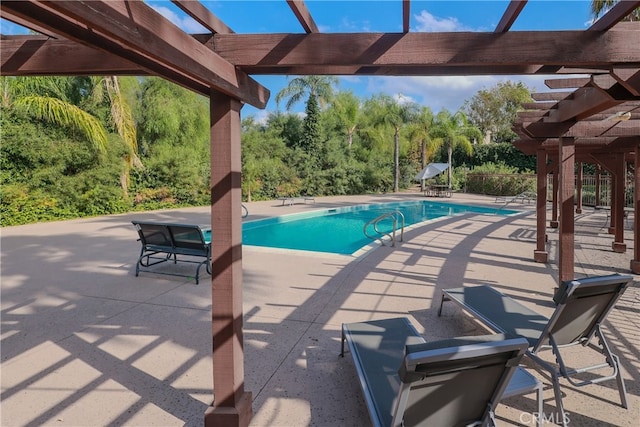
(440, 380)
(526, 196)
(581, 308)
(409, 382)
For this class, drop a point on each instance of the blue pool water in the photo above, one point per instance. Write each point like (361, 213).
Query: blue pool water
(339, 230)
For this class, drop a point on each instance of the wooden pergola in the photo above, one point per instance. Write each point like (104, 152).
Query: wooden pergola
(130, 38)
(598, 122)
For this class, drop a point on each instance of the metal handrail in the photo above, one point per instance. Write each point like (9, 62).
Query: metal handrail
(395, 215)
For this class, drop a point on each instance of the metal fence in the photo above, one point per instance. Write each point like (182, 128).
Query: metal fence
(512, 184)
(590, 190)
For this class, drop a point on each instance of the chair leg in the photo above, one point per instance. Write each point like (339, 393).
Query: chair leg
(621, 387)
(560, 416)
(614, 361)
(540, 405)
(441, 304)
(558, 395)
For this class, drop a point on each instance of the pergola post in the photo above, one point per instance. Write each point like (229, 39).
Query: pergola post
(231, 405)
(540, 254)
(616, 165)
(635, 262)
(566, 172)
(613, 171)
(617, 204)
(554, 197)
(579, 189)
(598, 176)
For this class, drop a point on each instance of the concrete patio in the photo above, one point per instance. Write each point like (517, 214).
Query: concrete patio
(86, 343)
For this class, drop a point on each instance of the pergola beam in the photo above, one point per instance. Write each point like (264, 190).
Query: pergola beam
(616, 14)
(567, 83)
(42, 56)
(301, 11)
(203, 16)
(134, 31)
(538, 106)
(584, 102)
(510, 15)
(406, 15)
(273, 53)
(629, 78)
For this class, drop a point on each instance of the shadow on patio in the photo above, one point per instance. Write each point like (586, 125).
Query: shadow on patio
(84, 342)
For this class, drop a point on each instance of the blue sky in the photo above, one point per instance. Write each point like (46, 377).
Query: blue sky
(332, 16)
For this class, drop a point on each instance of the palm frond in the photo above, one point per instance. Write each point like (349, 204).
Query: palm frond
(56, 111)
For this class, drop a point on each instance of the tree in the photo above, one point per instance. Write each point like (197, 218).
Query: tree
(493, 111)
(173, 128)
(599, 7)
(310, 141)
(347, 107)
(421, 132)
(266, 172)
(44, 98)
(455, 131)
(289, 126)
(319, 91)
(395, 114)
(105, 95)
(319, 86)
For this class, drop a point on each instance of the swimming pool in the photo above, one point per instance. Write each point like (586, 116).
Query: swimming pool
(339, 230)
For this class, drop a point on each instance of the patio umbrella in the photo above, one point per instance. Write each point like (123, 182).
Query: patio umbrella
(431, 170)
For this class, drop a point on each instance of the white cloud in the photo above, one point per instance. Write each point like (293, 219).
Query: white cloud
(430, 23)
(260, 116)
(185, 23)
(448, 92)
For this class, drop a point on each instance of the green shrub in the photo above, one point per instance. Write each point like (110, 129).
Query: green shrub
(19, 206)
(499, 180)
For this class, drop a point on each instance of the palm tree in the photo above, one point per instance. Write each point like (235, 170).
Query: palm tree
(599, 7)
(421, 132)
(319, 86)
(44, 98)
(455, 131)
(347, 107)
(122, 121)
(396, 115)
(319, 91)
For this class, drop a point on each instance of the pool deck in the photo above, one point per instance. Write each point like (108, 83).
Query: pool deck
(86, 343)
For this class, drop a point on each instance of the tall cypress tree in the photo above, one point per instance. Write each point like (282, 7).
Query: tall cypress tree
(311, 127)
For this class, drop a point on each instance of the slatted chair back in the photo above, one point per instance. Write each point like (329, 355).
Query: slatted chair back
(582, 305)
(456, 382)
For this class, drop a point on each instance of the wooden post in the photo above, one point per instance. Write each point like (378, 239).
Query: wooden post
(613, 171)
(598, 174)
(540, 254)
(579, 190)
(617, 204)
(635, 262)
(566, 168)
(554, 196)
(232, 405)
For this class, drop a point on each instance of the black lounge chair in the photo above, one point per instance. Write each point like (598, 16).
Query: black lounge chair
(581, 308)
(409, 382)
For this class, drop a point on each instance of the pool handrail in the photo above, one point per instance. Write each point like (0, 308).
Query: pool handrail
(392, 236)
